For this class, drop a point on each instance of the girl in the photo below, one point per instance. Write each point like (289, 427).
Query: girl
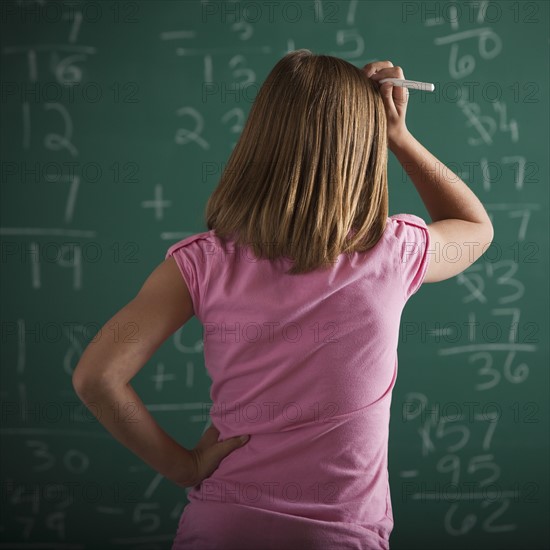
(299, 283)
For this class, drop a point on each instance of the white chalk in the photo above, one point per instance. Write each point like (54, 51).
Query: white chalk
(403, 83)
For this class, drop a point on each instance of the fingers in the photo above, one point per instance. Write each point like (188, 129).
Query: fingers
(208, 454)
(223, 448)
(209, 438)
(388, 72)
(383, 69)
(375, 66)
(391, 95)
(398, 94)
(386, 91)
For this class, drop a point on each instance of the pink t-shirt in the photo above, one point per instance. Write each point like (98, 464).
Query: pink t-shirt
(306, 365)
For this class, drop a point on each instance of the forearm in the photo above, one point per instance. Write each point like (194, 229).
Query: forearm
(445, 195)
(124, 415)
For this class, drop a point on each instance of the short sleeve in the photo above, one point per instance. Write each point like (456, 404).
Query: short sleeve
(189, 256)
(413, 240)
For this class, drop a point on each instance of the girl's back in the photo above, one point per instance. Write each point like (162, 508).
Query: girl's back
(306, 365)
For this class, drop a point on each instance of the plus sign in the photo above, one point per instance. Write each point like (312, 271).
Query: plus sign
(158, 204)
(159, 377)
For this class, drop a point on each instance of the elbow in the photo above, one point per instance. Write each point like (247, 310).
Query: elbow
(80, 381)
(490, 234)
(90, 383)
(485, 234)
(84, 383)
(483, 238)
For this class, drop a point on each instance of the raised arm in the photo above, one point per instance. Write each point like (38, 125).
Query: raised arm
(458, 217)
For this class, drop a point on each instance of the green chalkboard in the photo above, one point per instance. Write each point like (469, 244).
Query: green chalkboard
(117, 121)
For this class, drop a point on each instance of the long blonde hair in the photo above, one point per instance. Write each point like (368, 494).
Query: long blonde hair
(310, 166)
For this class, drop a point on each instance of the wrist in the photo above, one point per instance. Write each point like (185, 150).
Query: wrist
(401, 141)
(183, 470)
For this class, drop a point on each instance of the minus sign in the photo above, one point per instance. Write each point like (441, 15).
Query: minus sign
(224, 51)
(408, 473)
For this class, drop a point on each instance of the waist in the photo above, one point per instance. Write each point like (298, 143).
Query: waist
(234, 526)
(342, 478)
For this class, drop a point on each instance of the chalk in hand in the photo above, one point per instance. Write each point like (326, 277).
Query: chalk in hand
(403, 83)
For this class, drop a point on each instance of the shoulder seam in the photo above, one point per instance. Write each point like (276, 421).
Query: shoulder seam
(410, 219)
(186, 241)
